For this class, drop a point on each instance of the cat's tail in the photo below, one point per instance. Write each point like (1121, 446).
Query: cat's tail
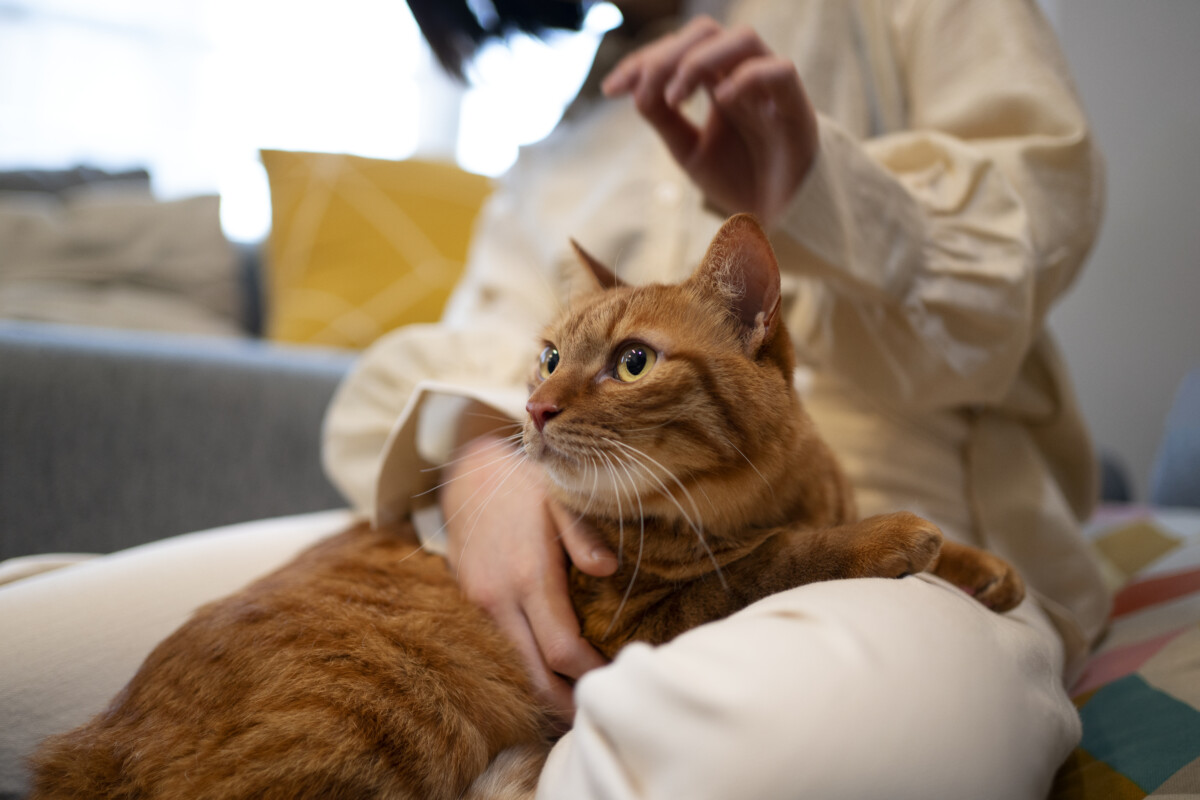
(512, 775)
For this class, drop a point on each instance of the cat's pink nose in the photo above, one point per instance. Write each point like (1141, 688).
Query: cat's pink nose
(541, 412)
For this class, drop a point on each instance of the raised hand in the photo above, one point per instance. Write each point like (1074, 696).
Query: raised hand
(760, 138)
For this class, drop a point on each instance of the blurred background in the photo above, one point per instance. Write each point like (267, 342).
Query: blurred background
(192, 90)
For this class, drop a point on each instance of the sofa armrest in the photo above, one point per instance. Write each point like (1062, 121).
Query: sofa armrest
(110, 439)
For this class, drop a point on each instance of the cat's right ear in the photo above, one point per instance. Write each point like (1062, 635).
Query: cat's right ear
(604, 277)
(740, 267)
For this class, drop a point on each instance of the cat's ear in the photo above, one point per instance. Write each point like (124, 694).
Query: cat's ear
(740, 267)
(604, 277)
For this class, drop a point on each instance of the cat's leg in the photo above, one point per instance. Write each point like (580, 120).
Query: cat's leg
(989, 578)
(883, 546)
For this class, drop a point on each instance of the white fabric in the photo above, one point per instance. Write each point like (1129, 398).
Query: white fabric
(73, 637)
(847, 689)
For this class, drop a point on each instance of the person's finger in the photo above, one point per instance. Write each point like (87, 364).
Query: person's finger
(583, 546)
(631, 69)
(657, 67)
(764, 102)
(549, 687)
(763, 92)
(546, 604)
(710, 60)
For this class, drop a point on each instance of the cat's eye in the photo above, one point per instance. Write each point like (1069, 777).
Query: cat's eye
(635, 362)
(548, 361)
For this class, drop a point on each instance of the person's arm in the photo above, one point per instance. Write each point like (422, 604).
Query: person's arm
(938, 249)
(944, 245)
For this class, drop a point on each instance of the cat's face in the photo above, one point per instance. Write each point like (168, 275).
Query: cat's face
(639, 391)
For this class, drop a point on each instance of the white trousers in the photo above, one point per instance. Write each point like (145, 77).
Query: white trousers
(855, 689)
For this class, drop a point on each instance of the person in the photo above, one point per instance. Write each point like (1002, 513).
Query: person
(928, 180)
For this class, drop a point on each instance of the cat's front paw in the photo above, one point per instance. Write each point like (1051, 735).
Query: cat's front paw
(1002, 588)
(899, 544)
(985, 576)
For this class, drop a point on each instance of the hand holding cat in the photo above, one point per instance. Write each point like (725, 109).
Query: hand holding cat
(760, 138)
(506, 548)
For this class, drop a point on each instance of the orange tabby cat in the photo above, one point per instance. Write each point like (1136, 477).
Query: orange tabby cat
(665, 415)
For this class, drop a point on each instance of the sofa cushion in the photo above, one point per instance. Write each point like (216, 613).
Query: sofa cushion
(117, 257)
(360, 246)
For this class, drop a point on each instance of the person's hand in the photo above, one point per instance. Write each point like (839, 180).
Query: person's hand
(760, 138)
(506, 546)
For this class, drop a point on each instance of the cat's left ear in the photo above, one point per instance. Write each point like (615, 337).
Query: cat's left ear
(741, 267)
(604, 277)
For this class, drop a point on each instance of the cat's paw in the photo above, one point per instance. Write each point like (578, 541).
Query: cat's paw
(899, 544)
(985, 576)
(1001, 589)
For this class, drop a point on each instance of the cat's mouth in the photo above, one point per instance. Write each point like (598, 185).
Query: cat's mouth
(569, 469)
(597, 473)
(538, 446)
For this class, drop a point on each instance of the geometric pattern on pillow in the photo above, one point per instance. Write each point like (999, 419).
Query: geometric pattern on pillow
(1139, 696)
(360, 246)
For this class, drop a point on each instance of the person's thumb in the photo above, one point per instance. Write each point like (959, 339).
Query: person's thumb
(582, 544)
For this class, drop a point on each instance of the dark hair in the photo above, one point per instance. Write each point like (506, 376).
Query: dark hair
(455, 33)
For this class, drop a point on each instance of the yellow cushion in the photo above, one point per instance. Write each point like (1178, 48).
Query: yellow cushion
(360, 246)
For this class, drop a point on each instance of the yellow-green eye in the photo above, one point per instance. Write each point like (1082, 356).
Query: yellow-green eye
(635, 362)
(548, 361)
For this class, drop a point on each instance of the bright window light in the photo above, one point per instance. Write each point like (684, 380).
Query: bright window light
(521, 88)
(192, 89)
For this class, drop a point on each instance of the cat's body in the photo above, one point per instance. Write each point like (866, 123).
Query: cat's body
(663, 415)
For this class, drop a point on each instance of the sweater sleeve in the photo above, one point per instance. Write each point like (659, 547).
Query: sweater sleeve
(939, 249)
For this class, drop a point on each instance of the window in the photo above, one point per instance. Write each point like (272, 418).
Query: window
(192, 89)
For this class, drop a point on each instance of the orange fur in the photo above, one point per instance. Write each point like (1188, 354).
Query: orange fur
(360, 670)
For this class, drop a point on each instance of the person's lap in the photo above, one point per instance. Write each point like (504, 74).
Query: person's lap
(846, 686)
(864, 688)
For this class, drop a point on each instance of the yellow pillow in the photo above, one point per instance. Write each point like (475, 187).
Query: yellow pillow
(360, 246)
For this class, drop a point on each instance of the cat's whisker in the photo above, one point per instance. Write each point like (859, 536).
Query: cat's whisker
(593, 464)
(620, 511)
(512, 438)
(642, 457)
(503, 483)
(751, 463)
(507, 454)
(637, 455)
(518, 458)
(638, 561)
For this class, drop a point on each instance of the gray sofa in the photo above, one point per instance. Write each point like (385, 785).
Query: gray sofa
(109, 438)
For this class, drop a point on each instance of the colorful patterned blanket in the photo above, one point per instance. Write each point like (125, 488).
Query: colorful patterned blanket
(1140, 694)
